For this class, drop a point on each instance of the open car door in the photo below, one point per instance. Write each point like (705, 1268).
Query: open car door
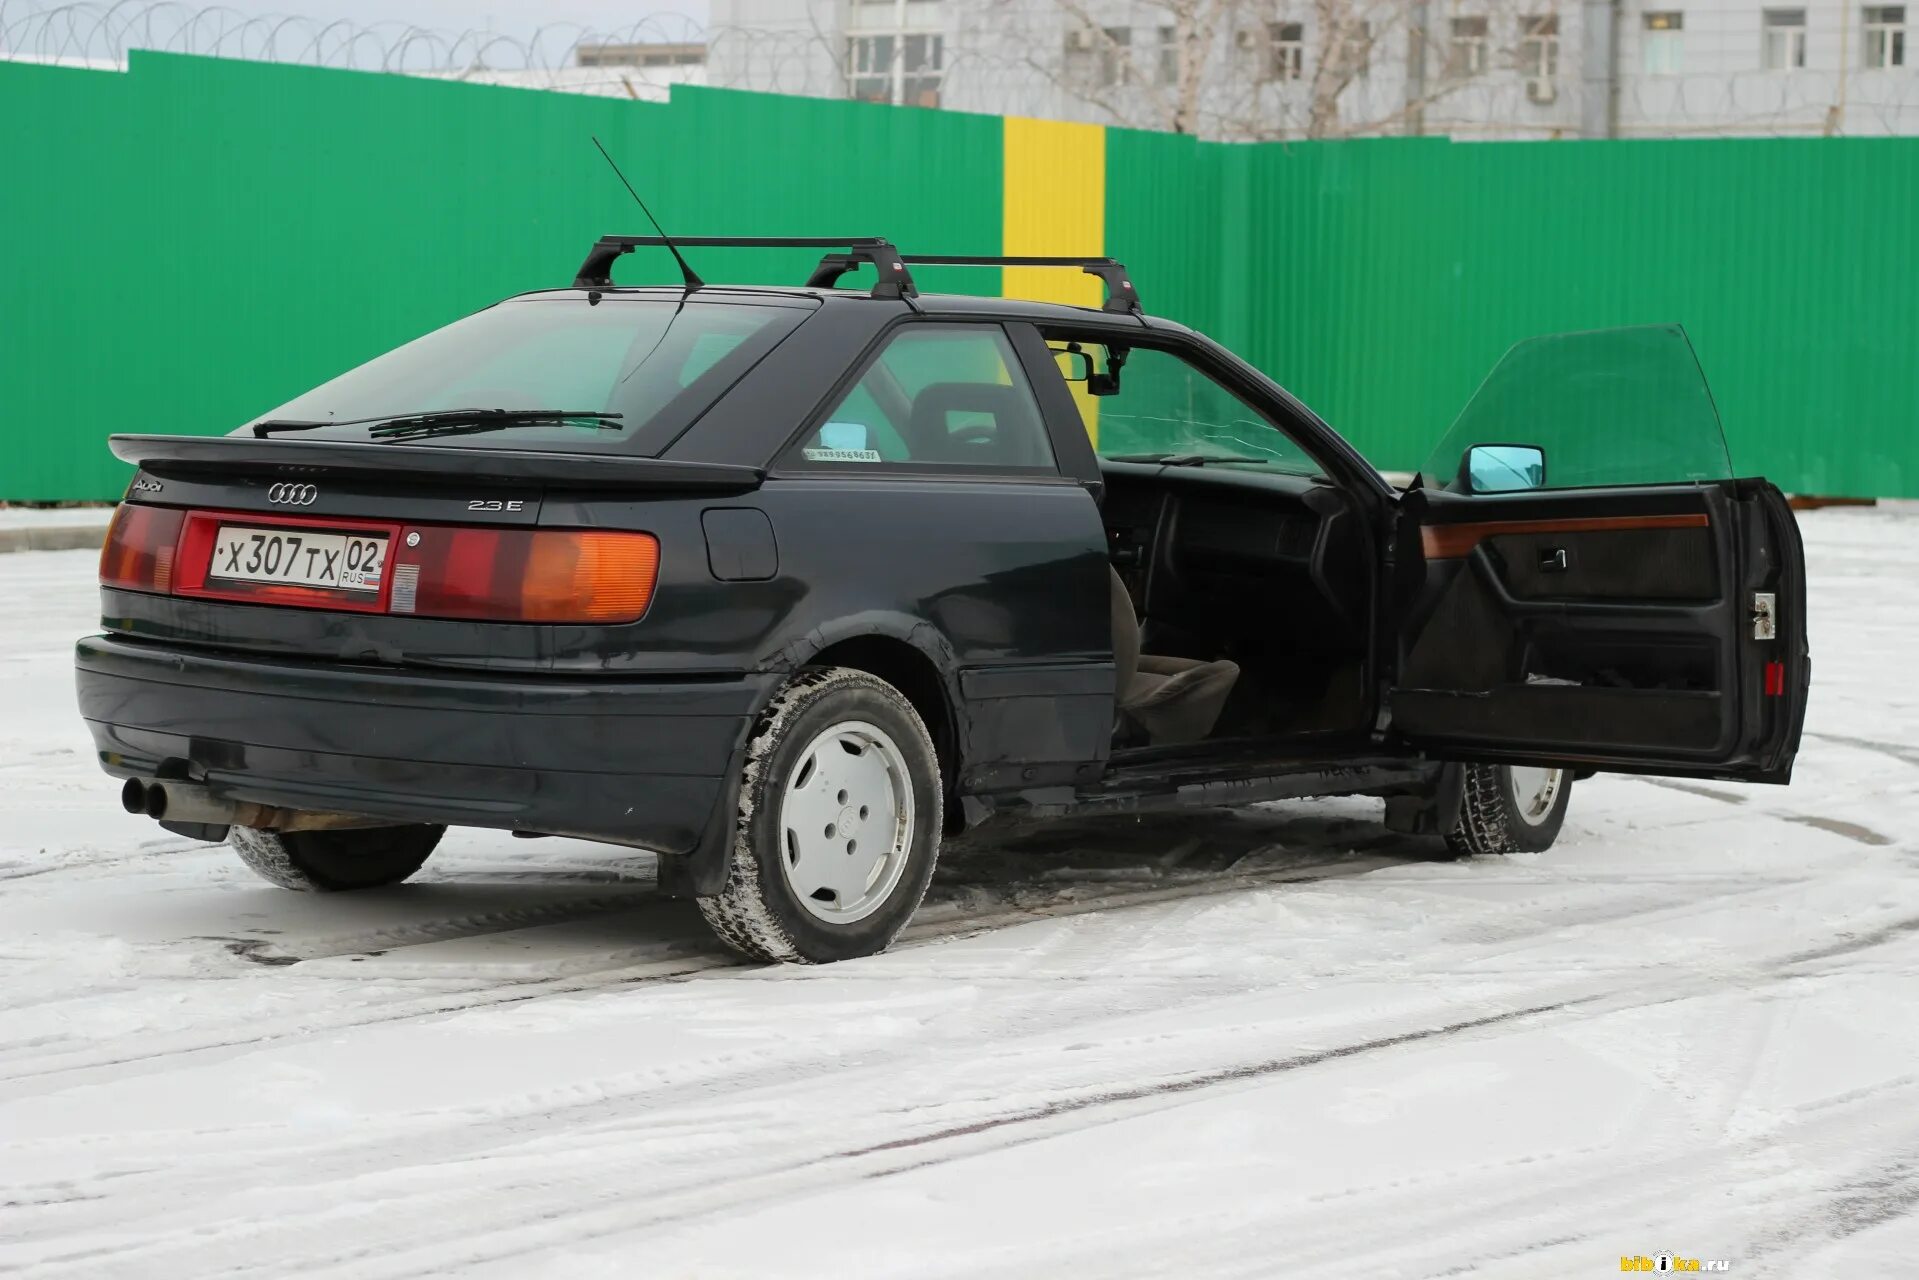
(1580, 581)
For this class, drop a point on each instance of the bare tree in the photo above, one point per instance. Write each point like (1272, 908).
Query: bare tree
(1155, 85)
(1273, 69)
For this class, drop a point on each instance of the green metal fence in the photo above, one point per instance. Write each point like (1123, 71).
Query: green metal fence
(192, 242)
(1381, 280)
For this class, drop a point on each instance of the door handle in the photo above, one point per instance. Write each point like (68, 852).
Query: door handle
(1554, 560)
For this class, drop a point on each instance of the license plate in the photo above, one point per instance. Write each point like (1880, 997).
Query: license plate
(299, 557)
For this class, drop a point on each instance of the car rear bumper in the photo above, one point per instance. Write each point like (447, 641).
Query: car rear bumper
(643, 762)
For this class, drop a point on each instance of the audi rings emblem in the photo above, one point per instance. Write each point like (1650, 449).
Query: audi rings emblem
(293, 495)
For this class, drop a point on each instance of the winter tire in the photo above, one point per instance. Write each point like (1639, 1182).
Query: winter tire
(1510, 809)
(838, 824)
(327, 861)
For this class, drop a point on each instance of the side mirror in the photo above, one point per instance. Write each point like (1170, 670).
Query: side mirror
(1074, 365)
(1107, 384)
(1502, 468)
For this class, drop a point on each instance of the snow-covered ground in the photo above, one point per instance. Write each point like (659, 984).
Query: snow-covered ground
(55, 517)
(1260, 1044)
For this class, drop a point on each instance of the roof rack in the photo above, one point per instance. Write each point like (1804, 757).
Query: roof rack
(895, 281)
(1120, 294)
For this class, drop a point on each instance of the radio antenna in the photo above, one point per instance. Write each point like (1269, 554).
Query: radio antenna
(692, 279)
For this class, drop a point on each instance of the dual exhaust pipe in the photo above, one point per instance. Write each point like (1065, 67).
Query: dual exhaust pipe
(192, 803)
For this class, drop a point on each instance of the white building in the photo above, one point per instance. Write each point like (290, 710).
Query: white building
(1332, 68)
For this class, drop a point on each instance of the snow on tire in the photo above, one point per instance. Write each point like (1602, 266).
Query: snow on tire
(838, 824)
(328, 861)
(1510, 809)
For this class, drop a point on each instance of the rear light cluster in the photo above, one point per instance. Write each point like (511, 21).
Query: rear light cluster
(526, 575)
(138, 553)
(429, 571)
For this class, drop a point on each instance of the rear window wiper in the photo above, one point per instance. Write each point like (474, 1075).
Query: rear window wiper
(458, 424)
(1185, 459)
(446, 422)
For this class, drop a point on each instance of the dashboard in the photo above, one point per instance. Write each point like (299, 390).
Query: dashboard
(1227, 560)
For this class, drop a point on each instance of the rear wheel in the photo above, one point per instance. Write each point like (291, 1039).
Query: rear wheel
(325, 861)
(838, 826)
(1510, 809)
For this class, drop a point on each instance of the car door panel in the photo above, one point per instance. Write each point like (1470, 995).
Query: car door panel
(933, 480)
(1669, 558)
(1002, 582)
(1607, 626)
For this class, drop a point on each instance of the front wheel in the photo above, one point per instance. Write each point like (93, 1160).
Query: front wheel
(838, 824)
(1510, 809)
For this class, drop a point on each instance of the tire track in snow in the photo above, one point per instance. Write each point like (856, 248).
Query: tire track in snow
(555, 1204)
(1518, 1212)
(77, 1069)
(1180, 995)
(933, 923)
(647, 1112)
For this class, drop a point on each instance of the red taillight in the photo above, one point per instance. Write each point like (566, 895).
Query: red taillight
(518, 575)
(138, 553)
(435, 571)
(1775, 679)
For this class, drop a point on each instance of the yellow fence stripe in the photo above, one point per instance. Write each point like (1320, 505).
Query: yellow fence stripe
(1054, 204)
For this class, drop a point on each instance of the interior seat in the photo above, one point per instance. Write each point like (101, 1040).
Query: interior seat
(1172, 700)
(1011, 439)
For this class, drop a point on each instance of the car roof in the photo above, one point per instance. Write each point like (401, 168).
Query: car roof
(930, 304)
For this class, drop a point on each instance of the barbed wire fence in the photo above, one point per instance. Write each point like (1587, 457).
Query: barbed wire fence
(1019, 68)
(102, 34)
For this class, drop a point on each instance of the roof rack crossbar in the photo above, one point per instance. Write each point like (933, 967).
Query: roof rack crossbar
(1120, 294)
(894, 279)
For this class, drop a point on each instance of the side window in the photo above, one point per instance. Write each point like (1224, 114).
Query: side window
(940, 395)
(1577, 410)
(1164, 405)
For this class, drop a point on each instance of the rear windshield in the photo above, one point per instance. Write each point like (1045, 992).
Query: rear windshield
(657, 362)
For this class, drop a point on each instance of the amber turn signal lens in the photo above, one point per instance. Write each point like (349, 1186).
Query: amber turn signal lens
(589, 576)
(525, 575)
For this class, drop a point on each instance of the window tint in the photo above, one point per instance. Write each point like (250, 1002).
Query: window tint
(1166, 406)
(658, 364)
(944, 395)
(1608, 407)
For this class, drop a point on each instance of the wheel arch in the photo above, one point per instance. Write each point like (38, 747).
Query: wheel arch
(908, 653)
(920, 678)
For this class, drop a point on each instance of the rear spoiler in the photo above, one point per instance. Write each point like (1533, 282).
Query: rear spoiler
(199, 456)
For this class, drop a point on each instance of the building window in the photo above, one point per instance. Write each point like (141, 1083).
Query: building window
(1114, 65)
(1249, 56)
(1665, 38)
(640, 55)
(1466, 48)
(1785, 39)
(922, 65)
(1076, 62)
(1169, 55)
(1885, 36)
(1287, 40)
(1539, 47)
(869, 68)
(1356, 50)
(1098, 56)
(902, 68)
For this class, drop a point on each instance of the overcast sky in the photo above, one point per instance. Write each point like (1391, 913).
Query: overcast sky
(514, 18)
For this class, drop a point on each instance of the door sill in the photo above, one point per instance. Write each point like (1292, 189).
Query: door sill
(1235, 754)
